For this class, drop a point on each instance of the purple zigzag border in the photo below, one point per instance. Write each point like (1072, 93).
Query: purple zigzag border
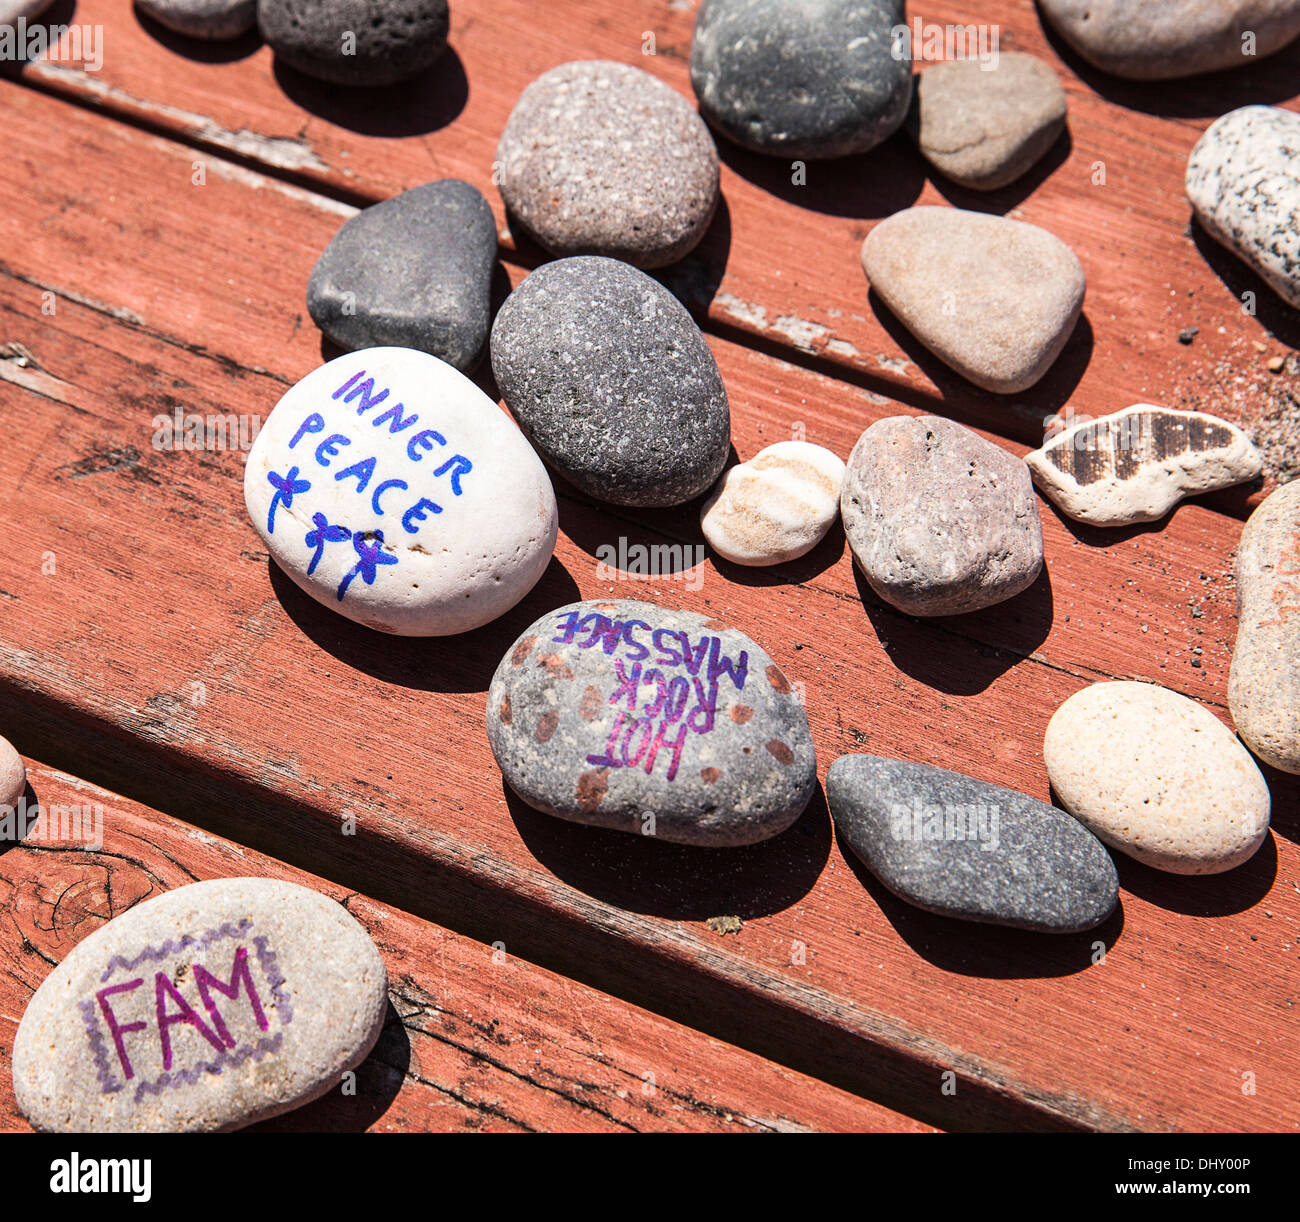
(157, 954)
(186, 1077)
(266, 957)
(108, 1084)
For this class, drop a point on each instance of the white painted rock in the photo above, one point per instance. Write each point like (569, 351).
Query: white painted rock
(775, 507)
(392, 490)
(994, 299)
(207, 1008)
(1157, 776)
(1243, 181)
(1264, 683)
(1135, 465)
(13, 775)
(12, 10)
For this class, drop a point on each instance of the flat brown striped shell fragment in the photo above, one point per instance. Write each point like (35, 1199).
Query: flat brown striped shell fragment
(1135, 465)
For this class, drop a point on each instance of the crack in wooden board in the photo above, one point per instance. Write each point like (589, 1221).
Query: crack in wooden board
(248, 761)
(781, 264)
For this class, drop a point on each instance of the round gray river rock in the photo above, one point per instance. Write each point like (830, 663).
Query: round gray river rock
(208, 1008)
(940, 521)
(627, 715)
(414, 271)
(356, 42)
(216, 19)
(963, 848)
(604, 159)
(808, 79)
(610, 379)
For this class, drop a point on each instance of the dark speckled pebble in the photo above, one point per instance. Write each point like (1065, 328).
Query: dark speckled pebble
(963, 848)
(355, 42)
(610, 379)
(628, 715)
(814, 79)
(412, 272)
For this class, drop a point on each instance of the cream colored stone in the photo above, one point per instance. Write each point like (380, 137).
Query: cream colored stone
(775, 507)
(1135, 465)
(1158, 777)
(13, 774)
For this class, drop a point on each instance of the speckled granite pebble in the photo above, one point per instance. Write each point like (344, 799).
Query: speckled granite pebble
(985, 127)
(940, 521)
(214, 19)
(1157, 776)
(1264, 684)
(414, 271)
(1135, 465)
(1243, 181)
(355, 42)
(631, 716)
(995, 299)
(777, 506)
(1172, 38)
(13, 775)
(603, 159)
(204, 1009)
(610, 378)
(812, 79)
(962, 848)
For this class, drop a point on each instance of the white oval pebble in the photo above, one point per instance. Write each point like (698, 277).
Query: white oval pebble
(1158, 777)
(13, 775)
(777, 506)
(204, 1009)
(394, 491)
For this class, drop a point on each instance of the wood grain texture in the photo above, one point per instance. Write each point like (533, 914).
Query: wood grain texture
(780, 265)
(476, 1039)
(163, 655)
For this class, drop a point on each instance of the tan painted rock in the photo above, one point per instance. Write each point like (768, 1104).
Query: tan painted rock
(13, 774)
(1264, 683)
(775, 507)
(983, 127)
(1157, 776)
(204, 1009)
(994, 299)
(1135, 465)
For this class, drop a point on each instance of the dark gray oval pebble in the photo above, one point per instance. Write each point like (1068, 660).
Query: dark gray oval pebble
(963, 848)
(414, 271)
(215, 19)
(610, 379)
(816, 79)
(630, 716)
(355, 42)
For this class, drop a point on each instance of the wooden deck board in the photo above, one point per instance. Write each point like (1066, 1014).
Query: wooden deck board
(780, 265)
(166, 298)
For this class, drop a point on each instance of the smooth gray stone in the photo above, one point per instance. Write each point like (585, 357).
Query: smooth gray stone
(414, 271)
(802, 78)
(963, 848)
(356, 42)
(610, 379)
(661, 723)
(215, 19)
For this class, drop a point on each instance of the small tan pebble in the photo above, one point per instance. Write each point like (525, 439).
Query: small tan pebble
(1261, 348)
(1135, 465)
(1276, 364)
(775, 507)
(13, 774)
(1157, 776)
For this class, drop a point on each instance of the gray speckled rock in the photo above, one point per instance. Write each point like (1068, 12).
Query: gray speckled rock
(214, 19)
(962, 848)
(414, 271)
(204, 1009)
(355, 42)
(1264, 683)
(610, 379)
(812, 79)
(628, 715)
(995, 299)
(599, 158)
(984, 127)
(1147, 42)
(940, 521)
(1243, 181)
